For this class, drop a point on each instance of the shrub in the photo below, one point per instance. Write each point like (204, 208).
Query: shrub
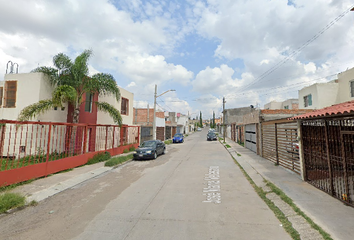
(132, 148)
(118, 160)
(168, 142)
(125, 151)
(11, 200)
(99, 157)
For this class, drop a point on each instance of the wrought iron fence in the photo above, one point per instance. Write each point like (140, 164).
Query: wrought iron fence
(328, 148)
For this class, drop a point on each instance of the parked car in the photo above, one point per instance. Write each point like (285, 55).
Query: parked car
(178, 138)
(149, 150)
(199, 129)
(211, 136)
(211, 130)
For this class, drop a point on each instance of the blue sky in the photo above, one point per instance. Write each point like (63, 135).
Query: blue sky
(250, 52)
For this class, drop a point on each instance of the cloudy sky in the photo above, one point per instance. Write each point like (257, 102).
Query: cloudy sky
(249, 51)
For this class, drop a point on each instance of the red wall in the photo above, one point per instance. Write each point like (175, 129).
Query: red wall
(84, 117)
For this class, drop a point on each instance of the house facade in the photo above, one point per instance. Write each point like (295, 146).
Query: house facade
(287, 104)
(321, 95)
(18, 91)
(144, 117)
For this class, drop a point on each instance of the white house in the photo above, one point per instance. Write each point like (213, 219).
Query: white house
(318, 95)
(18, 91)
(292, 103)
(321, 95)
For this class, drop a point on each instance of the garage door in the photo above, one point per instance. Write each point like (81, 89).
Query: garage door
(251, 138)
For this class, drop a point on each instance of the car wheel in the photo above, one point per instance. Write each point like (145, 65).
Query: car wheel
(155, 155)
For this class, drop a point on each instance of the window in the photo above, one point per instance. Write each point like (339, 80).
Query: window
(1, 95)
(10, 94)
(352, 88)
(286, 107)
(88, 102)
(124, 109)
(308, 100)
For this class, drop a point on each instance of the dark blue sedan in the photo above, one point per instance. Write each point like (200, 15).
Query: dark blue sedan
(178, 138)
(149, 150)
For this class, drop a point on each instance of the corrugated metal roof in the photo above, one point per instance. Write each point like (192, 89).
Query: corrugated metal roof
(337, 109)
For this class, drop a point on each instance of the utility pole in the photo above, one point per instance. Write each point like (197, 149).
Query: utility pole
(154, 121)
(223, 119)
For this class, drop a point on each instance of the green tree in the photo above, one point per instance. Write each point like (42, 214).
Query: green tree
(71, 80)
(200, 120)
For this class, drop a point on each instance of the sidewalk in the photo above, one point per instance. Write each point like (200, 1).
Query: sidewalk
(330, 214)
(43, 188)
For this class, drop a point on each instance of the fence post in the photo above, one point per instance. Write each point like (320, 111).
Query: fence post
(276, 143)
(105, 146)
(48, 149)
(113, 135)
(328, 158)
(138, 134)
(85, 139)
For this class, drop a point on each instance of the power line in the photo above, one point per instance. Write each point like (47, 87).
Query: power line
(295, 52)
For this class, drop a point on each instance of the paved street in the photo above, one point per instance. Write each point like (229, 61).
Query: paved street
(194, 191)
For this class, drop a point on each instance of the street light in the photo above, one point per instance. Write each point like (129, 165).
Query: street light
(154, 123)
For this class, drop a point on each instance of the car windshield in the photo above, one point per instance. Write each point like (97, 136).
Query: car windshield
(178, 135)
(211, 134)
(148, 144)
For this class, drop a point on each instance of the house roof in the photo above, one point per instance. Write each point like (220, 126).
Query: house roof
(337, 109)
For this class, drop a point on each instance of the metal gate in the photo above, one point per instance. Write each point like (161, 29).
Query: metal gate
(168, 132)
(160, 133)
(251, 138)
(146, 134)
(328, 147)
(280, 144)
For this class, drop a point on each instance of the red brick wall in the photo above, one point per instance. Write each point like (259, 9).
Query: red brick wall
(141, 115)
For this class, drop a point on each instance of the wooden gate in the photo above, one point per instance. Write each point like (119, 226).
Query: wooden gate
(280, 144)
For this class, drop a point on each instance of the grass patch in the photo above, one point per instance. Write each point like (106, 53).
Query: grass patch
(131, 149)
(241, 143)
(125, 150)
(221, 139)
(238, 154)
(9, 187)
(228, 146)
(99, 157)
(290, 202)
(118, 160)
(11, 200)
(168, 142)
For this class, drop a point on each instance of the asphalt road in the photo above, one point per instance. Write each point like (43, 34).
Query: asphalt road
(194, 191)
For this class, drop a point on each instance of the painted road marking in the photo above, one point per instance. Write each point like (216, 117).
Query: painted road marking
(212, 191)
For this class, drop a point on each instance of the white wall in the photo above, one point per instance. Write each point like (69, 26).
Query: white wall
(160, 122)
(31, 88)
(104, 118)
(183, 120)
(273, 105)
(323, 95)
(344, 80)
(289, 102)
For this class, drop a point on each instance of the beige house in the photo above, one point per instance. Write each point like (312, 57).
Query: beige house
(125, 107)
(321, 95)
(18, 91)
(292, 103)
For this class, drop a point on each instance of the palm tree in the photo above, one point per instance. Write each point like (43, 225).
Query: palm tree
(71, 81)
